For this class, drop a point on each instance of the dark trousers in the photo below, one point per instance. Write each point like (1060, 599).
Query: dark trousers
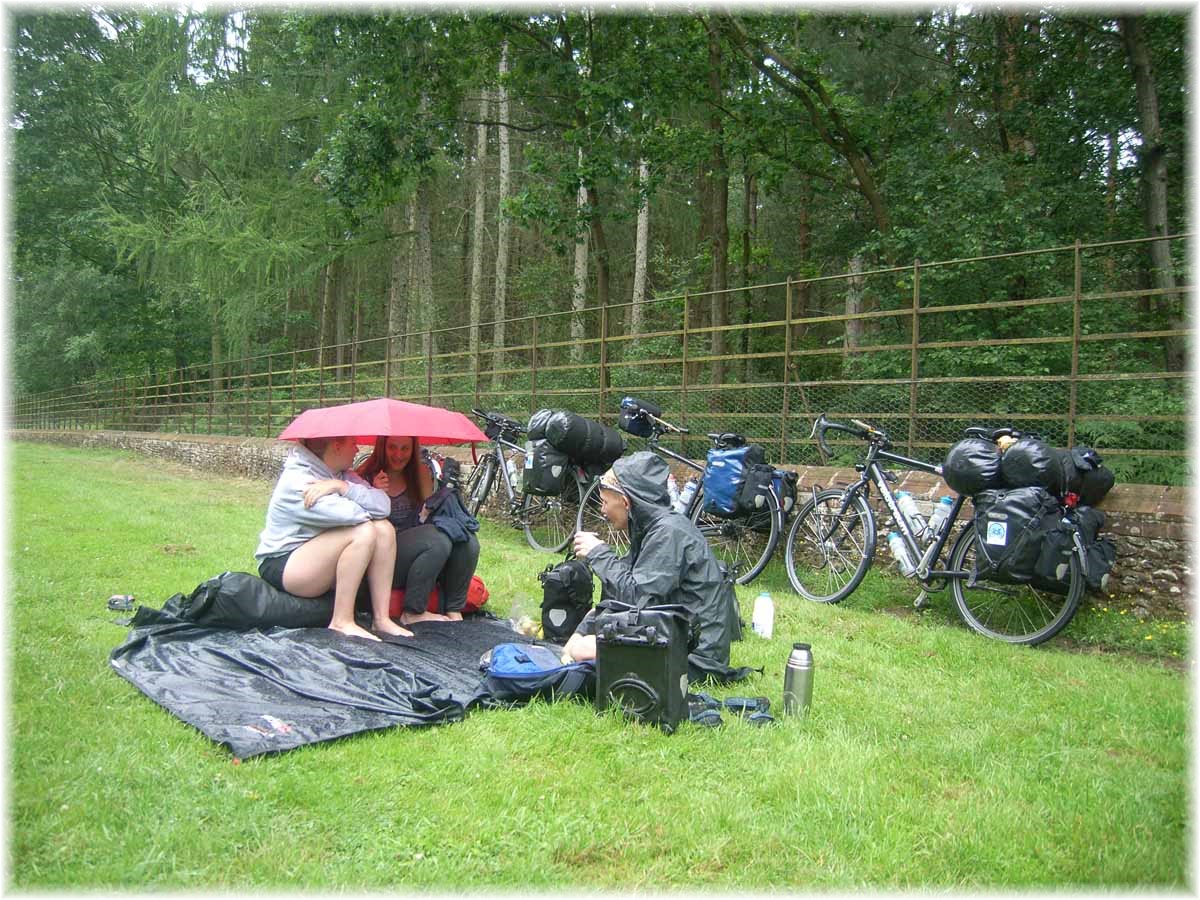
(425, 556)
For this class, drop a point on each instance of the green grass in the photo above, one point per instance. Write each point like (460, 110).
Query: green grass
(932, 757)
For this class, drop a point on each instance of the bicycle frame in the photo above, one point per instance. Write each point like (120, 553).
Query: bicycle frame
(873, 473)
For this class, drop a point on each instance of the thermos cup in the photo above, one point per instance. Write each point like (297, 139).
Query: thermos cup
(797, 680)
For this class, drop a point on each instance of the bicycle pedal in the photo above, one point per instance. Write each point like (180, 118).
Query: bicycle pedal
(922, 601)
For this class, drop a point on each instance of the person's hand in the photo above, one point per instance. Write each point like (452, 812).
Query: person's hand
(586, 542)
(319, 489)
(381, 481)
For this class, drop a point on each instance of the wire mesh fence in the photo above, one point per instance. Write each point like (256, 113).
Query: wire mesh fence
(1073, 347)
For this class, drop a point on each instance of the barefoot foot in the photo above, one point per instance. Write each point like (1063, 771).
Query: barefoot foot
(408, 618)
(352, 629)
(387, 626)
(454, 616)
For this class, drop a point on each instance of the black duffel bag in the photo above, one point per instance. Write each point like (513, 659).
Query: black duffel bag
(1086, 475)
(584, 440)
(972, 465)
(546, 469)
(536, 430)
(1010, 526)
(1031, 462)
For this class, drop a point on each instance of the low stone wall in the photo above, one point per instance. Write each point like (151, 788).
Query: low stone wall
(1151, 525)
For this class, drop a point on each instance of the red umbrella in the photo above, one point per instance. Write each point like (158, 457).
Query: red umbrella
(384, 417)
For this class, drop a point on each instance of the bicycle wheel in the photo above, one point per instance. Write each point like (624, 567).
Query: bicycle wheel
(1015, 613)
(827, 555)
(591, 519)
(745, 543)
(479, 485)
(549, 522)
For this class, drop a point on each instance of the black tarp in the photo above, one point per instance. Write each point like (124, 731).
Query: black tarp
(264, 690)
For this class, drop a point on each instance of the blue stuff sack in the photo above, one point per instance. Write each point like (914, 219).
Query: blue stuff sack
(725, 475)
(518, 672)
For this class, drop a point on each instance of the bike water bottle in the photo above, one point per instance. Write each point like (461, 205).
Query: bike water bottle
(762, 620)
(941, 512)
(797, 681)
(514, 475)
(900, 554)
(686, 495)
(912, 512)
(672, 489)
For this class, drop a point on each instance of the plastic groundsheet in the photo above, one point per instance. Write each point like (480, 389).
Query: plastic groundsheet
(271, 689)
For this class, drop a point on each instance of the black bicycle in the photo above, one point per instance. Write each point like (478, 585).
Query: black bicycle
(831, 546)
(744, 542)
(548, 522)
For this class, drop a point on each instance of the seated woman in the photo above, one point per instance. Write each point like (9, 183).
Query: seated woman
(327, 528)
(423, 552)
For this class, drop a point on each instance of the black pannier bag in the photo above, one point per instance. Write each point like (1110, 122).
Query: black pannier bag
(972, 465)
(786, 487)
(1009, 528)
(546, 469)
(1088, 476)
(631, 422)
(537, 424)
(753, 497)
(583, 440)
(566, 598)
(642, 662)
(1031, 462)
(1050, 572)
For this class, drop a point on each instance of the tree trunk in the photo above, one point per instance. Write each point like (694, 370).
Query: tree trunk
(854, 305)
(1153, 159)
(215, 367)
(749, 213)
(503, 226)
(477, 237)
(1010, 83)
(803, 252)
(579, 282)
(719, 211)
(423, 268)
(326, 301)
(397, 307)
(339, 322)
(641, 250)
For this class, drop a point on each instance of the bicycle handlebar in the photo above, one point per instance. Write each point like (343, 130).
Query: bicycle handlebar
(500, 420)
(857, 429)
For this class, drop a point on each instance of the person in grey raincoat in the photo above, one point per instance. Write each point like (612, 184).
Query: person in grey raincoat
(669, 562)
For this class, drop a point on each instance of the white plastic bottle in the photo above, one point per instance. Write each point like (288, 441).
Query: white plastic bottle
(912, 512)
(672, 489)
(686, 495)
(762, 620)
(514, 474)
(900, 553)
(941, 512)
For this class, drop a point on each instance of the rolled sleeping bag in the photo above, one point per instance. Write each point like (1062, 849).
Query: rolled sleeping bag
(1031, 462)
(584, 440)
(972, 465)
(537, 424)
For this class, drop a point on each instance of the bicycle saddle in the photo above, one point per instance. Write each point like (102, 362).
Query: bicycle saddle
(727, 439)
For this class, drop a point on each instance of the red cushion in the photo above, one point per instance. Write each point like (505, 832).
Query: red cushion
(477, 596)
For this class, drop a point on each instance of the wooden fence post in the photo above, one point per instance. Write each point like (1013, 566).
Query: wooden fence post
(787, 362)
(533, 364)
(603, 360)
(683, 381)
(914, 363)
(1073, 401)
(429, 366)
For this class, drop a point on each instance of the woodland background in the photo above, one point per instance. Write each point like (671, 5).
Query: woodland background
(189, 188)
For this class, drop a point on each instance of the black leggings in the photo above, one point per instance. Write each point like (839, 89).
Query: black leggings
(424, 555)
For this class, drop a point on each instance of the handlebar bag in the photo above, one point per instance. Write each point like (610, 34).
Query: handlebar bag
(499, 425)
(583, 440)
(725, 475)
(546, 468)
(520, 672)
(631, 420)
(1010, 526)
(972, 465)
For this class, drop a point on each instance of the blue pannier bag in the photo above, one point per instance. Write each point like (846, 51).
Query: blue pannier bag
(725, 475)
(519, 672)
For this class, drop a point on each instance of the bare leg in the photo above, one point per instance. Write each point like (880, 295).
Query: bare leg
(379, 579)
(338, 557)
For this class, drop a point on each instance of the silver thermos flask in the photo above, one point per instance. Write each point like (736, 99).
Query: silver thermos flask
(797, 681)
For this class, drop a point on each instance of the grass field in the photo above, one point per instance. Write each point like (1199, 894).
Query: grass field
(932, 758)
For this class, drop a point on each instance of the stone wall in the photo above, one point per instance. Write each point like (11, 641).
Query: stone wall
(1151, 525)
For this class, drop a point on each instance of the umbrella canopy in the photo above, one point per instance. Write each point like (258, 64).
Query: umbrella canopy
(384, 417)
